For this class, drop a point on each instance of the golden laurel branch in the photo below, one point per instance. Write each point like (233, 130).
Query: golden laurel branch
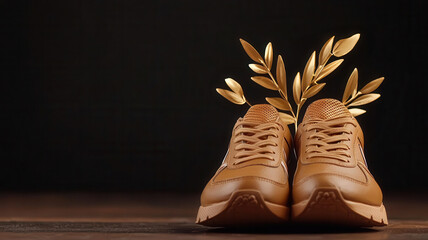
(352, 97)
(303, 87)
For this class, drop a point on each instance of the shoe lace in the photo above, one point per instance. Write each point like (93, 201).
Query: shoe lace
(255, 141)
(329, 139)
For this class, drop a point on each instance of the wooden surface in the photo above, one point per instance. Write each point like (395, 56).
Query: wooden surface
(171, 216)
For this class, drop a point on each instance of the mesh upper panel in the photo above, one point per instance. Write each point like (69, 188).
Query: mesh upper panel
(325, 109)
(261, 113)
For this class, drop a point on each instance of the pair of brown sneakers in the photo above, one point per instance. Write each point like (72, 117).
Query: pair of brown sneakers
(331, 184)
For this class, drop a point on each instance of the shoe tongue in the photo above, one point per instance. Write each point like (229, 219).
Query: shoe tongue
(326, 109)
(261, 113)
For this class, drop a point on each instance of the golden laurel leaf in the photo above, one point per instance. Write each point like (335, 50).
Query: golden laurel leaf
(278, 103)
(297, 88)
(269, 55)
(344, 46)
(364, 99)
(351, 86)
(231, 96)
(325, 51)
(286, 118)
(251, 51)
(308, 73)
(280, 75)
(264, 82)
(313, 90)
(328, 69)
(371, 86)
(235, 86)
(356, 111)
(318, 71)
(257, 68)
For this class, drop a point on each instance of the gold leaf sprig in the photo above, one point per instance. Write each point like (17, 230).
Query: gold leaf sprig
(303, 88)
(236, 96)
(352, 97)
(308, 86)
(264, 67)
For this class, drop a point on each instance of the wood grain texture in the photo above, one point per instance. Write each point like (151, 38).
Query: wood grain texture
(168, 216)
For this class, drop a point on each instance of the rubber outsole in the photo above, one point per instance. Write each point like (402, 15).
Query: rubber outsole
(328, 207)
(243, 208)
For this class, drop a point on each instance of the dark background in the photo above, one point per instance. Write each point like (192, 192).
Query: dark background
(120, 95)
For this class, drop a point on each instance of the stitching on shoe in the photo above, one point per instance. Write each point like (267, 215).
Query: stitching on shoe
(250, 177)
(333, 174)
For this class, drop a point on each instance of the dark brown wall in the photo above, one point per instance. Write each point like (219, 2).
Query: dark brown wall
(120, 95)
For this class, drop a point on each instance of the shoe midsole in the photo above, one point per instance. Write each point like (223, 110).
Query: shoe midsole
(214, 209)
(365, 210)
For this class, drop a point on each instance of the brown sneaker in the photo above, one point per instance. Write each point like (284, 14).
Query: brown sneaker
(332, 184)
(251, 185)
